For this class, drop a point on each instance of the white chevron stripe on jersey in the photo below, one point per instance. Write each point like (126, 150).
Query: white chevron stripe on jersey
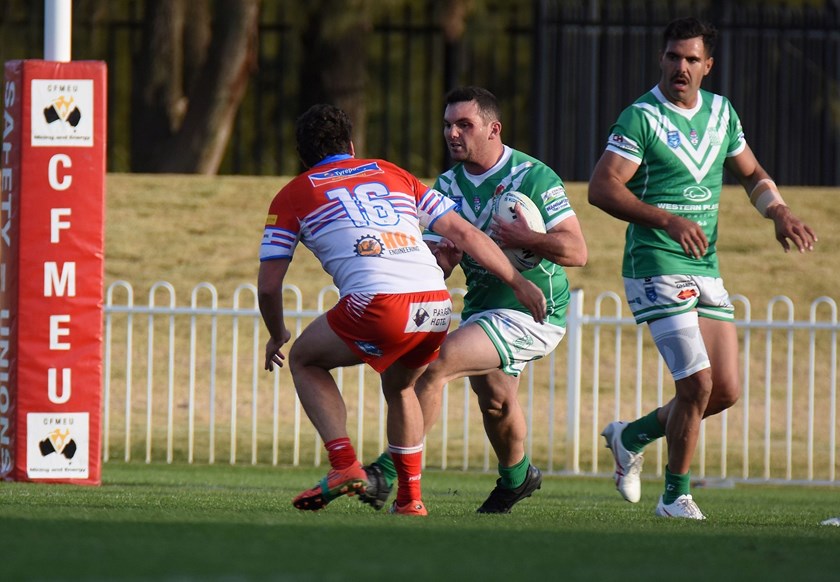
(453, 191)
(698, 161)
(514, 179)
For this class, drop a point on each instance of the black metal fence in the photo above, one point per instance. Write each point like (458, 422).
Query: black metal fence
(563, 70)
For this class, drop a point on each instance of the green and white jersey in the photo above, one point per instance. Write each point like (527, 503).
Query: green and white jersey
(680, 153)
(473, 197)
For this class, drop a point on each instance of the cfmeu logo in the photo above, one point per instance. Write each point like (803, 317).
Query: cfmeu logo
(697, 193)
(63, 109)
(58, 441)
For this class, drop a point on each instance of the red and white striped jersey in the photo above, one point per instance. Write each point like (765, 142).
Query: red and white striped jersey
(363, 219)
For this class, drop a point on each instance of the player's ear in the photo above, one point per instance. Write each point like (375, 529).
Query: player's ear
(709, 62)
(352, 149)
(495, 130)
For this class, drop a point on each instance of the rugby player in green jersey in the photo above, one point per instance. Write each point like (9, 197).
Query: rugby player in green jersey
(497, 337)
(662, 172)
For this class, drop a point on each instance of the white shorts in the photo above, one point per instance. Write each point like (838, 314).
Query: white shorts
(517, 337)
(665, 295)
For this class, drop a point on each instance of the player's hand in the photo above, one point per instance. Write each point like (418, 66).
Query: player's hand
(447, 255)
(532, 298)
(689, 235)
(512, 235)
(273, 355)
(790, 228)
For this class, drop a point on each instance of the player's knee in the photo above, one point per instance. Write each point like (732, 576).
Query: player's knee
(726, 394)
(696, 389)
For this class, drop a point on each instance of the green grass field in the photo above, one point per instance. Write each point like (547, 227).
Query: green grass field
(222, 523)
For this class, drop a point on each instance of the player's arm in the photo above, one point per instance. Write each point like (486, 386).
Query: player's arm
(488, 254)
(270, 298)
(765, 196)
(563, 244)
(608, 191)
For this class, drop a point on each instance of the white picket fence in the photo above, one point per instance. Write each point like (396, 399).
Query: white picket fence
(186, 382)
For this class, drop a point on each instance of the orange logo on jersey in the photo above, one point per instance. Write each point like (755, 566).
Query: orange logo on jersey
(369, 246)
(687, 294)
(399, 240)
(271, 220)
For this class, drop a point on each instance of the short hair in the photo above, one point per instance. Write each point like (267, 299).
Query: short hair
(691, 27)
(488, 105)
(323, 130)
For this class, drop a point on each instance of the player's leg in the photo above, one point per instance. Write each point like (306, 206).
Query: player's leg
(490, 349)
(456, 359)
(317, 351)
(467, 351)
(507, 429)
(504, 421)
(405, 436)
(679, 341)
(650, 299)
(407, 339)
(721, 340)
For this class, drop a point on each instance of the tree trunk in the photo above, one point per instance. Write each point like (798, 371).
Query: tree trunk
(335, 37)
(184, 111)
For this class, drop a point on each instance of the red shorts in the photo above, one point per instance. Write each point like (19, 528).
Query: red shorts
(385, 328)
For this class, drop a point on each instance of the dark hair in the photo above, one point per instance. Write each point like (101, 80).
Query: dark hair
(691, 27)
(488, 105)
(323, 130)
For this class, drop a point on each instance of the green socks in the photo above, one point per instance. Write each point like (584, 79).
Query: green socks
(641, 432)
(675, 485)
(513, 477)
(388, 469)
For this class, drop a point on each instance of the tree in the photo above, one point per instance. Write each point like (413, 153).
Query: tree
(190, 76)
(334, 37)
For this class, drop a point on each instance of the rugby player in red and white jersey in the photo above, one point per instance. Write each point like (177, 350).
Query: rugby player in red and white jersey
(363, 219)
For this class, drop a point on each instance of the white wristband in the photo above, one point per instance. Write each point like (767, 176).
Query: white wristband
(764, 195)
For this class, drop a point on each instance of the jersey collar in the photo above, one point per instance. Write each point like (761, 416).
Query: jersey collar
(332, 158)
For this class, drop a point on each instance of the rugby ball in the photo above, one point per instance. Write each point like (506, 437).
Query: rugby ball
(504, 209)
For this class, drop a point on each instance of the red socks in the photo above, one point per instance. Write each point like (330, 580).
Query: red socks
(408, 462)
(341, 453)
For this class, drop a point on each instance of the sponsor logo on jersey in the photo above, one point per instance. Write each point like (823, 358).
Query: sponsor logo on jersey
(369, 348)
(459, 203)
(686, 294)
(692, 137)
(369, 246)
(271, 220)
(623, 143)
(336, 174)
(429, 316)
(553, 193)
(673, 139)
(420, 316)
(399, 243)
(697, 193)
(557, 206)
(477, 203)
